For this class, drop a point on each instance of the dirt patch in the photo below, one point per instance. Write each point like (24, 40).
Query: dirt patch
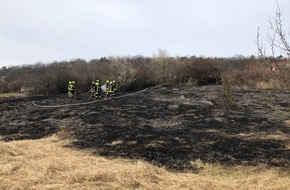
(168, 126)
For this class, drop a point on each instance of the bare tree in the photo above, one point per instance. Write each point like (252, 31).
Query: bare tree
(277, 41)
(46, 83)
(122, 71)
(164, 69)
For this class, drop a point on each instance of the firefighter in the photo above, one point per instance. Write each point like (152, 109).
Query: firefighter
(114, 87)
(93, 88)
(107, 88)
(71, 89)
(97, 89)
(110, 89)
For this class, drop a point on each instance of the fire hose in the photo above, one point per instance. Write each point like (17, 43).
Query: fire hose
(86, 103)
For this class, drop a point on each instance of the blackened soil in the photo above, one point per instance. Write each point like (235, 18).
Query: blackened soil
(168, 126)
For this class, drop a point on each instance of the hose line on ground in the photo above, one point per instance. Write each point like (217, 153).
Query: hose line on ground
(86, 103)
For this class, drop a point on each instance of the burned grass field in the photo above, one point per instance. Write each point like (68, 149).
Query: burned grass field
(169, 126)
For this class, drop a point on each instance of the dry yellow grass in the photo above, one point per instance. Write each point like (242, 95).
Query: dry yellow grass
(47, 164)
(12, 95)
(272, 84)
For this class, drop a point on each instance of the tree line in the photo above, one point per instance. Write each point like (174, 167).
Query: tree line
(133, 73)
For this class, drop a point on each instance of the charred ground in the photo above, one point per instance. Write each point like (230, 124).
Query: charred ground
(168, 126)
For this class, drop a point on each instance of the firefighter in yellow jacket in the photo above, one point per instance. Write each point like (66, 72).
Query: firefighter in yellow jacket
(93, 89)
(97, 89)
(114, 88)
(71, 89)
(107, 88)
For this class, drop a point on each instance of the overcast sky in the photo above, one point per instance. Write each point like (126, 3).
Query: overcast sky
(55, 30)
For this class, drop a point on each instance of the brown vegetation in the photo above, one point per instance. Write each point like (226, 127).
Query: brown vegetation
(132, 73)
(47, 164)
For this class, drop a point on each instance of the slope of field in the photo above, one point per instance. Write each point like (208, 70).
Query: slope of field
(178, 129)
